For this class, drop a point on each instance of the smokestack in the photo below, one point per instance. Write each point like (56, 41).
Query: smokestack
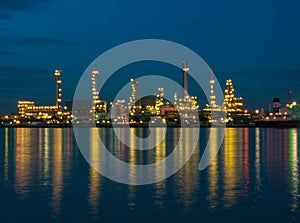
(185, 70)
(58, 90)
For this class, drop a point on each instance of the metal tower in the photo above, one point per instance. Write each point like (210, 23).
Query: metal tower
(95, 93)
(134, 91)
(185, 70)
(58, 91)
(212, 94)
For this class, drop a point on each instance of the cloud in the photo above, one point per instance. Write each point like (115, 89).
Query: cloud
(8, 7)
(279, 76)
(8, 53)
(276, 74)
(4, 16)
(22, 4)
(6, 41)
(16, 76)
(4, 29)
(42, 41)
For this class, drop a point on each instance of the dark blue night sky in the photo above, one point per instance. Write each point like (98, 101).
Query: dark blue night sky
(255, 43)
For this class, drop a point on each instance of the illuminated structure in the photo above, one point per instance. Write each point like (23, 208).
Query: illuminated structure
(187, 108)
(231, 103)
(293, 106)
(175, 99)
(188, 104)
(134, 91)
(212, 106)
(134, 104)
(146, 105)
(28, 111)
(277, 112)
(212, 96)
(119, 112)
(185, 70)
(57, 74)
(95, 93)
(98, 105)
(296, 111)
(159, 100)
(23, 107)
(276, 105)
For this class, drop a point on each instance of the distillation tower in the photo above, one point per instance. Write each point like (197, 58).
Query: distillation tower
(185, 70)
(57, 74)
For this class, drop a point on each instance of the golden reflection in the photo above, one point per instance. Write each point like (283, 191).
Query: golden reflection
(6, 156)
(57, 171)
(39, 140)
(233, 164)
(213, 172)
(131, 197)
(94, 186)
(45, 144)
(67, 137)
(160, 153)
(246, 162)
(25, 159)
(110, 133)
(258, 181)
(132, 159)
(118, 148)
(160, 171)
(187, 178)
(294, 169)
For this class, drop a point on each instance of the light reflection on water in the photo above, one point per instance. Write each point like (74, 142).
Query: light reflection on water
(213, 176)
(94, 181)
(232, 165)
(255, 170)
(57, 172)
(294, 169)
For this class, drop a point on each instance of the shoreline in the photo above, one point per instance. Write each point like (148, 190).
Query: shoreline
(144, 126)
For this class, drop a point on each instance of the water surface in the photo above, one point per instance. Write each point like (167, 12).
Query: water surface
(255, 177)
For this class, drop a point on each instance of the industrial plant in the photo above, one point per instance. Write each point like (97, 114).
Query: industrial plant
(137, 111)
